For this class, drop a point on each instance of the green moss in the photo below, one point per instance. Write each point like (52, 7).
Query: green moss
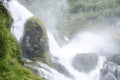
(10, 53)
(94, 9)
(92, 5)
(81, 13)
(15, 71)
(35, 22)
(5, 17)
(45, 59)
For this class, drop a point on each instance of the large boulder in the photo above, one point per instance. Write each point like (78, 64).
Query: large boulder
(35, 41)
(85, 62)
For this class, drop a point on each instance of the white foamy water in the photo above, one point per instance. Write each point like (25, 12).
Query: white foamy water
(48, 72)
(20, 14)
(83, 43)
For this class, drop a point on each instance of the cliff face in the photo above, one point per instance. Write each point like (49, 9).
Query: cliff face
(11, 63)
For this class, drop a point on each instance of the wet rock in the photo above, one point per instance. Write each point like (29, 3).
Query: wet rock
(110, 69)
(118, 73)
(85, 62)
(114, 58)
(35, 41)
(109, 76)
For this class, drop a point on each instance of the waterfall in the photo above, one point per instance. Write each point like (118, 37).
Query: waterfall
(84, 42)
(20, 14)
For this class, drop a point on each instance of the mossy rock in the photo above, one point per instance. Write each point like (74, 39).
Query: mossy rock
(11, 63)
(35, 41)
(5, 17)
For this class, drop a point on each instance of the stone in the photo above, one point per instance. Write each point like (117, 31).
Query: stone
(114, 58)
(85, 62)
(110, 69)
(35, 41)
(109, 76)
(118, 73)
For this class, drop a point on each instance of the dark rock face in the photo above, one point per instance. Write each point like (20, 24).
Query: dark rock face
(114, 58)
(110, 71)
(108, 67)
(85, 62)
(33, 44)
(35, 41)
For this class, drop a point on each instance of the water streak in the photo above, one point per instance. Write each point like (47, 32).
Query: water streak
(20, 14)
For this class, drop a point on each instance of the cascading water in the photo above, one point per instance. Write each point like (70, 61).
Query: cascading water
(85, 42)
(20, 14)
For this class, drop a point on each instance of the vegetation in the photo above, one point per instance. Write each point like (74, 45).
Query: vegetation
(84, 14)
(5, 18)
(11, 63)
(35, 22)
(90, 9)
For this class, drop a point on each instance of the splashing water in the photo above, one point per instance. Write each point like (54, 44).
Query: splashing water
(47, 72)
(85, 42)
